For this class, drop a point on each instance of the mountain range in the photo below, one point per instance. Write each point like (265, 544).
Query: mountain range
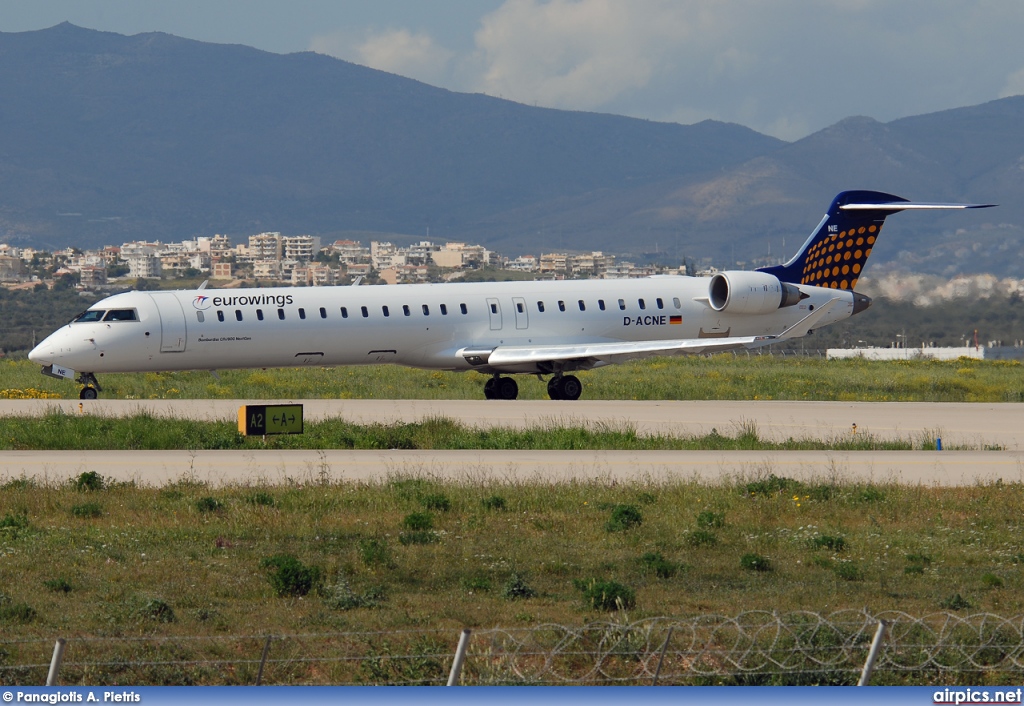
(106, 138)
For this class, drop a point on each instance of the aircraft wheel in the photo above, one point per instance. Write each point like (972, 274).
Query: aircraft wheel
(88, 393)
(554, 389)
(507, 389)
(571, 387)
(490, 389)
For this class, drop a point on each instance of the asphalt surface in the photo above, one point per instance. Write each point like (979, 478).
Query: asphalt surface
(972, 425)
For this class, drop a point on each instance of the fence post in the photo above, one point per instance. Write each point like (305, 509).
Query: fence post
(876, 647)
(263, 659)
(58, 655)
(460, 657)
(661, 657)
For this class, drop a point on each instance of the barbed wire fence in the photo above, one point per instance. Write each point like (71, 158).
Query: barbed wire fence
(754, 647)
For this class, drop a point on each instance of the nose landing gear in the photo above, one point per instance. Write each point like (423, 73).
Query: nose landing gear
(92, 386)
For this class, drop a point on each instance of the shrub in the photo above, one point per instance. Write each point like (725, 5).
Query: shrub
(870, 494)
(771, 485)
(662, 568)
(158, 610)
(701, 538)
(261, 497)
(955, 602)
(59, 585)
(474, 584)
(711, 520)
(15, 612)
(913, 569)
(87, 510)
(12, 524)
(606, 595)
(755, 562)
(991, 581)
(209, 504)
(419, 521)
(375, 551)
(340, 596)
(89, 480)
(516, 588)
(418, 537)
(848, 571)
(437, 502)
(624, 517)
(826, 541)
(495, 502)
(289, 576)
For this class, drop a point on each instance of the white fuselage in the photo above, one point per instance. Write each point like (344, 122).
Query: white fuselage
(420, 325)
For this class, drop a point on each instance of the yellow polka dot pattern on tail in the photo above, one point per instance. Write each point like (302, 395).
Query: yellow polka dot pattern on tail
(837, 260)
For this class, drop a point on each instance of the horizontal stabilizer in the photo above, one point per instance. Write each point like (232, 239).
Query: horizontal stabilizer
(910, 206)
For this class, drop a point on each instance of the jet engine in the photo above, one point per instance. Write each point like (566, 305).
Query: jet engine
(743, 292)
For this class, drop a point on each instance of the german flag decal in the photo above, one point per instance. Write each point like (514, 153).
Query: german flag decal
(675, 319)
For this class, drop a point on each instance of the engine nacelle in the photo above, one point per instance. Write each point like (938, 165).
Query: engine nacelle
(743, 292)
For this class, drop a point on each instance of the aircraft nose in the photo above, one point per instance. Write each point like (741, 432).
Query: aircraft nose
(39, 353)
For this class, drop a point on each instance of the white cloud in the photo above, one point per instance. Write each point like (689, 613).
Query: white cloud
(398, 51)
(1014, 85)
(575, 53)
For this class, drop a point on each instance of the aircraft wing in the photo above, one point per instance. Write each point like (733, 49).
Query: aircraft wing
(620, 351)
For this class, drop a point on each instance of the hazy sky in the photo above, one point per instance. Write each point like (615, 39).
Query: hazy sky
(783, 67)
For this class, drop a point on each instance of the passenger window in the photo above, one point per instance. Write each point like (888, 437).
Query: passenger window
(600, 304)
(220, 315)
(463, 308)
(199, 315)
(405, 309)
(366, 313)
(280, 314)
(238, 314)
(344, 312)
(494, 308)
(444, 310)
(385, 310)
(661, 304)
(120, 315)
(302, 313)
(561, 305)
(622, 304)
(519, 307)
(426, 310)
(676, 303)
(259, 314)
(642, 304)
(540, 307)
(323, 313)
(583, 307)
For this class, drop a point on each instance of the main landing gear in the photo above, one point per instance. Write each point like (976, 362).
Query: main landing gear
(565, 387)
(499, 388)
(92, 386)
(560, 387)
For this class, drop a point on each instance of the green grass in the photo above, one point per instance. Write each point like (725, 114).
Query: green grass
(685, 378)
(155, 563)
(59, 431)
(340, 557)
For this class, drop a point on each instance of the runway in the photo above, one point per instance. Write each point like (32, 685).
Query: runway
(975, 425)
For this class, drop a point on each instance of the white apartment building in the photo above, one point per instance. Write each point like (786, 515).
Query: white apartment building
(266, 246)
(301, 247)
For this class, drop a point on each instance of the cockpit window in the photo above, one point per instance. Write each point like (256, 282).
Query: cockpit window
(91, 315)
(121, 315)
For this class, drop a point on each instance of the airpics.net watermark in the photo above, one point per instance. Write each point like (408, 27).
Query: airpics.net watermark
(977, 696)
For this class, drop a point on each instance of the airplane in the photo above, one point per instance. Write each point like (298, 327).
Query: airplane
(543, 328)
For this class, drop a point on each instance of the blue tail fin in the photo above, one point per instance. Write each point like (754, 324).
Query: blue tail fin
(838, 249)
